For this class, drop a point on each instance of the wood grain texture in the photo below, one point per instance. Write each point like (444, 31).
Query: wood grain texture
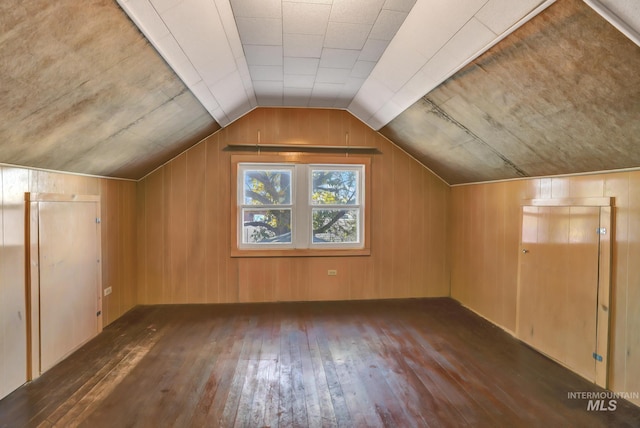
(119, 229)
(404, 363)
(558, 284)
(496, 300)
(118, 210)
(632, 302)
(187, 217)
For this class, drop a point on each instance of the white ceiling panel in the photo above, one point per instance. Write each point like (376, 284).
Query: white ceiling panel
(372, 96)
(325, 94)
(387, 24)
(146, 17)
(398, 76)
(362, 69)
(399, 5)
(296, 97)
(499, 15)
(263, 55)
(421, 83)
(433, 24)
(342, 101)
(230, 27)
(163, 5)
(301, 66)
(344, 35)
(266, 72)
(260, 31)
(353, 85)
(333, 75)
(373, 57)
(471, 39)
(385, 115)
(226, 91)
(178, 60)
(268, 93)
(339, 58)
(373, 50)
(213, 62)
(299, 81)
(302, 45)
(356, 11)
(305, 18)
(204, 95)
(257, 8)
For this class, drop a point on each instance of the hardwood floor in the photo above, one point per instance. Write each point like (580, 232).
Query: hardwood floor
(404, 363)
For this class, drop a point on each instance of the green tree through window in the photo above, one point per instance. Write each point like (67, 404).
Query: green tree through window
(281, 202)
(268, 189)
(334, 189)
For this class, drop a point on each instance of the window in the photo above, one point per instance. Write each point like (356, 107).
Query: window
(295, 208)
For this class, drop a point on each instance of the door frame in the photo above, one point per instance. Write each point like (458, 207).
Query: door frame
(603, 310)
(32, 238)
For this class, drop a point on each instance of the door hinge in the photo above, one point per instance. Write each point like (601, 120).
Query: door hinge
(601, 231)
(597, 357)
(98, 220)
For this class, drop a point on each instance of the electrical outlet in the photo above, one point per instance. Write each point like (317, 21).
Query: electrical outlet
(332, 272)
(107, 291)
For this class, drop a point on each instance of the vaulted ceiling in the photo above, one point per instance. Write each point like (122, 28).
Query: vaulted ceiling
(476, 90)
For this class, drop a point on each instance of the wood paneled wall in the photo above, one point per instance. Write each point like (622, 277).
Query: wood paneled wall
(485, 234)
(184, 217)
(118, 241)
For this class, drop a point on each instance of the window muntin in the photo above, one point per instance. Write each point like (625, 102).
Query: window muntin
(300, 206)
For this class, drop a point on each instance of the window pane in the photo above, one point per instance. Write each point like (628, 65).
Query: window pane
(267, 187)
(336, 187)
(335, 225)
(266, 226)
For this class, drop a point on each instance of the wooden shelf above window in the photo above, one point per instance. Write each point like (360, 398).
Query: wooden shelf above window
(301, 148)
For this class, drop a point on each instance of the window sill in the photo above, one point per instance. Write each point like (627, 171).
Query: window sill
(301, 253)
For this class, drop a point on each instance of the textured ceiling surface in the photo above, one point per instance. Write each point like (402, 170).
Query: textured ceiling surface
(82, 90)
(560, 95)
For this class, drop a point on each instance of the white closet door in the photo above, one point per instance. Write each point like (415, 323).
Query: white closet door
(558, 290)
(69, 272)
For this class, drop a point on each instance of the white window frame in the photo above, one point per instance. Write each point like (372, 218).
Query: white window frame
(359, 205)
(242, 168)
(301, 206)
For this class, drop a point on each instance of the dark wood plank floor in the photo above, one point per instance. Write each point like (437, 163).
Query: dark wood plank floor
(405, 363)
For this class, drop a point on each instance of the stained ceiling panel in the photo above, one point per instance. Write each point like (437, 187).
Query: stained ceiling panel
(561, 95)
(82, 90)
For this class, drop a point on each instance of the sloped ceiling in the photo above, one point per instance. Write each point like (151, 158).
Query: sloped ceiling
(373, 57)
(89, 88)
(560, 95)
(82, 90)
